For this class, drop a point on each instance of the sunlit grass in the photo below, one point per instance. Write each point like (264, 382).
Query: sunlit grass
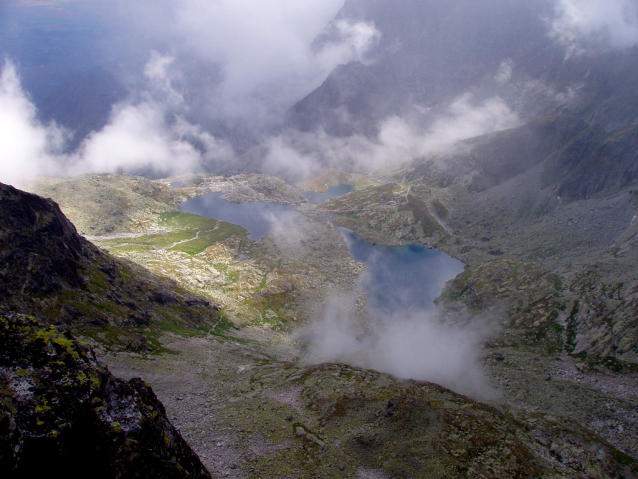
(187, 232)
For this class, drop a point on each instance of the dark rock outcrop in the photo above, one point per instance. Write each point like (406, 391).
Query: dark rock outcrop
(63, 414)
(40, 250)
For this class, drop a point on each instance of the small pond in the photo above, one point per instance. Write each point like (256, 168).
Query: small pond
(332, 192)
(257, 217)
(401, 279)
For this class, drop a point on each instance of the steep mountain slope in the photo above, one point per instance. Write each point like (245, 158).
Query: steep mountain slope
(47, 269)
(428, 54)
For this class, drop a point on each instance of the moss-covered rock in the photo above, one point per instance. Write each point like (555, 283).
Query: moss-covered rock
(63, 414)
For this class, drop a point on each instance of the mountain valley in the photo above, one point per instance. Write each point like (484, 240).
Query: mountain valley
(540, 358)
(145, 331)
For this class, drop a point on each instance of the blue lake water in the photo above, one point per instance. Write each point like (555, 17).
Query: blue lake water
(401, 279)
(257, 217)
(330, 193)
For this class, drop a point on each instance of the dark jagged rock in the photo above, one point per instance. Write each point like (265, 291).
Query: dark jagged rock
(47, 269)
(40, 249)
(64, 415)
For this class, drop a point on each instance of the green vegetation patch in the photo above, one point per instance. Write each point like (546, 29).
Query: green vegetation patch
(222, 232)
(187, 232)
(185, 221)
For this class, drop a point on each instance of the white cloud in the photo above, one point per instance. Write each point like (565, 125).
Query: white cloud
(135, 138)
(505, 71)
(146, 133)
(263, 51)
(399, 139)
(285, 161)
(610, 22)
(158, 75)
(26, 146)
(418, 346)
(140, 135)
(353, 41)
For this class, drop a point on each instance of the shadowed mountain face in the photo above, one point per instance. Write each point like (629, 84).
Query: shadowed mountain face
(578, 111)
(428, 54)
(431, 52)
(596, 162)
(41, 251)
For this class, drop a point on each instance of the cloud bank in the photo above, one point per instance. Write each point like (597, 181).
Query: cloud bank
(26, 146)
(604, 22)
(143, 134)
(301, 155)
(149, 133)
(257, 59)
(217, 69)
(417, 346)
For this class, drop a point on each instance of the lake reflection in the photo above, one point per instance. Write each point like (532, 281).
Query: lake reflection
(330, 193)
(401, 279)
(257, 217)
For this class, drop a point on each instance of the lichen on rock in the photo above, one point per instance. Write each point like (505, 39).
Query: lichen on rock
(62, 413)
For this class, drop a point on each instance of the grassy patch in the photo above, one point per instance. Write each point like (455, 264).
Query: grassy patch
(208, 238)
(223, 328)
(187, 232)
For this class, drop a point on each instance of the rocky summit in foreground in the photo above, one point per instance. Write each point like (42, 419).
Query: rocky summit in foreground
(248, 415)
(64, 415)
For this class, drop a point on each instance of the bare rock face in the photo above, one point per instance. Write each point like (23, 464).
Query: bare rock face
(40, 249)
(64, 415)
(528, 294)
